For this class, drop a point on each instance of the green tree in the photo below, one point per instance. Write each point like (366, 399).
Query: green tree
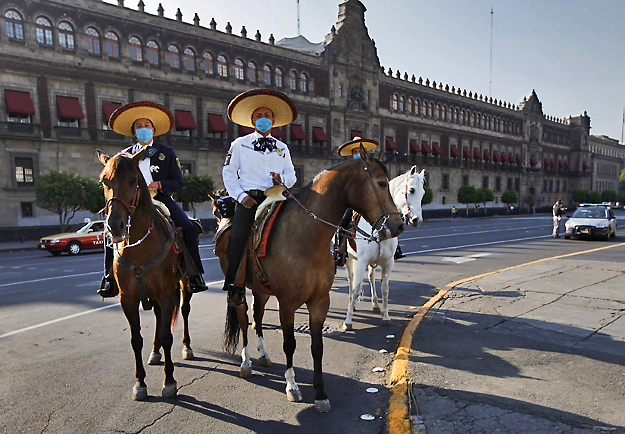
(195, 189)
(93, 200)
(608, 196)
(594, 197)
(509, 197)
(467, 194)
(428, 196)
(485, 195)
(61, 193)
(580, 195)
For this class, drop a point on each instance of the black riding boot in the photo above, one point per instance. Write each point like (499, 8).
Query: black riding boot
(108, 287)
(398, 253)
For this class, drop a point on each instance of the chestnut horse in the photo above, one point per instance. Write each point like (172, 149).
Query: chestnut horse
(299, 265)
(146, 267)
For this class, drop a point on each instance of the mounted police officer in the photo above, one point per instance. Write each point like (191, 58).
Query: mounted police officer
(254, 163)
(161, 170)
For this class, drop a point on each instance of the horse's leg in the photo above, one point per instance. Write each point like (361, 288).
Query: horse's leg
(354, 290)
(131, 310)
(287, 321)
(168, 310)
(155, 356)
(318, 311)
(185, 308)
(351, 265)
(246, 362)
(260, 301)
(386, 271)
(374, 295)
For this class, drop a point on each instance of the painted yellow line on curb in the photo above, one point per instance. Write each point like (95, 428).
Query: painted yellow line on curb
(398, 413)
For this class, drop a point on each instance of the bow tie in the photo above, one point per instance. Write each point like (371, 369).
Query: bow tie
(264, 143)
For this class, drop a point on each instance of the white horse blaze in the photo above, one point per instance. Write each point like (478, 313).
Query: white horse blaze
(407, 192)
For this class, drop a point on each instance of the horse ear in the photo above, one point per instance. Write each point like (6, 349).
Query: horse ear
(413, 170)
(422, 172)
(363, 154)
(136, 158)
(211, 196)
(102, 156)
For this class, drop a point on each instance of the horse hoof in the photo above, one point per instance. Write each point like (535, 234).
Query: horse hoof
(386, 322)
(155, 359)
(264, 361)
(187, 354)
(245, 372)
(294, 395)
(323, 405)
(170, 391)
(347, 327)
(139, 393)
(376, 309)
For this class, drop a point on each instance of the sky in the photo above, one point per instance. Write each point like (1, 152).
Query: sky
(571, 52)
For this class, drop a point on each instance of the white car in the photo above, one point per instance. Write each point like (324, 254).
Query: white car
(591, 221)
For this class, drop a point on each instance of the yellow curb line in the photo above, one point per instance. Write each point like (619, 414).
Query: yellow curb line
(398, 413)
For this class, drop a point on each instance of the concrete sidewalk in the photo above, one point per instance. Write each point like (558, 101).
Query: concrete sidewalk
(536, 349)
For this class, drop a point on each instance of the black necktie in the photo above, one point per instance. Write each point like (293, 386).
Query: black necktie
(264, 143)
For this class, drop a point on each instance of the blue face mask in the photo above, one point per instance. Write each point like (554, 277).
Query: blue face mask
(356, 156)
(144, 134)
(263, 124)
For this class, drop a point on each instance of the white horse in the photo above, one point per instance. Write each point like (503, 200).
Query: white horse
(407, 192)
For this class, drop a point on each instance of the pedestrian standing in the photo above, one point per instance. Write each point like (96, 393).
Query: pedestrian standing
(557, 217)
(454, 211)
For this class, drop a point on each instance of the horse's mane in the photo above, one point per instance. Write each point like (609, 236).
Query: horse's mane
(322, 173)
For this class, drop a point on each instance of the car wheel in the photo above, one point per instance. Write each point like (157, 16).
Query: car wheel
(607, 235)
(55, 253)
(74, 248)
(567, 237)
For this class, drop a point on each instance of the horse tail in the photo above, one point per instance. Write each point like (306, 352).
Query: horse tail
(231, 331)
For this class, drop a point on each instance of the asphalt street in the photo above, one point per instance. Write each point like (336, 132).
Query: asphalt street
(68, 364)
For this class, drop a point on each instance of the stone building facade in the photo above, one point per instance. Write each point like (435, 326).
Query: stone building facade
(67, 64)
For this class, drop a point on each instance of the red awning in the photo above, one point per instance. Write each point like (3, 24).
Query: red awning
(496, 156)
(107, 110)
(425, 148)
(437, 149)
(465, 152)
(552, 163)
(518, 159)
(184, 120)
(297, 133)
(533, 160)
(19, 102)
(277, 132)
(319, 135)
(216, 124)
(566, 164)
(504, 157)
(244, 131)
(390, 144)
(69, 108)
(414, 146)
(546, 163)
(511, 158)
(356, 133)
(560, 164)
(454, 151)
(477, 155)
(584, 166)
(487, 156)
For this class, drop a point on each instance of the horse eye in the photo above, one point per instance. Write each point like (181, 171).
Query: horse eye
(412, 190)
(382, 184)
(133, 180)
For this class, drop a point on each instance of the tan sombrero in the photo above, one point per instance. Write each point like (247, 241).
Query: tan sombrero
(122, 119)
(243, 105)
(345, 150)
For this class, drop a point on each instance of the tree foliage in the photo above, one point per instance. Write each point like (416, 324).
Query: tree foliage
(195, 189)
(485, 195)
(509, 197)
(467, 194)
(580, 195)
(428, 196)
(594, 197)
(94, 195)
(608, 196)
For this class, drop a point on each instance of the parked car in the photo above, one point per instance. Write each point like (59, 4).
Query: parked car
(591, 220)
(83, 236)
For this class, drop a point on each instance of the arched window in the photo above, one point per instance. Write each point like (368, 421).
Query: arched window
(66, 35)
(456, 117)
(402, 102)
(437, 111)
(267, 75)
(303, 82)
(424, 108)
(136, 51)
(251, 72)
(92, 36)
(112, 44)
(239, 73)
(14, 24)
(222, 66)
(44, 31)
(174, 56)
(462, 118)
(417, 107)
(444, 113)
(292, 80)
(410, 105)
(152, 50)
(189, 59)
(431, 110)
(395, 102)
(278, 75)
(208, 63)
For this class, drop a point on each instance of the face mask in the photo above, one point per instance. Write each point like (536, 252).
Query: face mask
(144, 134)
(263, 124)
(356, 156)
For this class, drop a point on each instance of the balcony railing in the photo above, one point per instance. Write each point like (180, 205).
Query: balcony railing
(20, 129)
(71, 133)
(112, 136)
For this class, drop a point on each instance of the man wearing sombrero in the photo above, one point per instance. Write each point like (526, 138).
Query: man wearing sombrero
(161, 171)
(254, 163)
(352, 148)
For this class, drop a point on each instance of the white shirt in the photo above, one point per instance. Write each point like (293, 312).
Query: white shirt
(246, 169)
(144, 165)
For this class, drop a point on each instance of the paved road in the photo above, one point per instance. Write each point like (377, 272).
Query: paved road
(68, 363)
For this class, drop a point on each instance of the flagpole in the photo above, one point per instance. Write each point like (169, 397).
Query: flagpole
(622, 125)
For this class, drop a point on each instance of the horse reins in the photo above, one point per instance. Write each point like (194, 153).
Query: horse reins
(131, 211)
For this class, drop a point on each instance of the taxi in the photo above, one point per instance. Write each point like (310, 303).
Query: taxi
(591, 220)
(84, 236)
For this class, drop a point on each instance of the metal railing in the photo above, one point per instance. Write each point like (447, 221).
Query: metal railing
(20, 129)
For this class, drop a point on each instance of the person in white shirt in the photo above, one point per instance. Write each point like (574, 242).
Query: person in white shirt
(254, 163)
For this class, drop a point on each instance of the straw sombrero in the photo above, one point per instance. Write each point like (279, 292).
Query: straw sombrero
(243, 105)
(122, 119)
(345, 150)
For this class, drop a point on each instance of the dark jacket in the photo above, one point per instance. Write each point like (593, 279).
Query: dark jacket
(168, 172)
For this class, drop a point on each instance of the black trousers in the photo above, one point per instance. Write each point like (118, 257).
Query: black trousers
(242, 222)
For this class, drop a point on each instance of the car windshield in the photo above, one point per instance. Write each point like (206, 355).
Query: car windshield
(591, 213)
(81, 228)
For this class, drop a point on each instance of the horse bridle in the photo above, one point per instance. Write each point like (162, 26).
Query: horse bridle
(131, 211)
(404, 217)
(383, 218)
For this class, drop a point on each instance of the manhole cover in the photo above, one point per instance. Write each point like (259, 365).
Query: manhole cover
(305, 328)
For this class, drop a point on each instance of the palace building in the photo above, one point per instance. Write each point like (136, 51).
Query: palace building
(68, 64)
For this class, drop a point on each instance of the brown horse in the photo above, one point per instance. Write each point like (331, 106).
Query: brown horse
(299, 264)
(142, 275)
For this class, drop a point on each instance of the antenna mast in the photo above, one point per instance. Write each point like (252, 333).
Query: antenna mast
(298, 29)
(490, 82)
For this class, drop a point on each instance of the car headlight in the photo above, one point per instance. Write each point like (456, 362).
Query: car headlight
(602, 225)
(54, 241)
